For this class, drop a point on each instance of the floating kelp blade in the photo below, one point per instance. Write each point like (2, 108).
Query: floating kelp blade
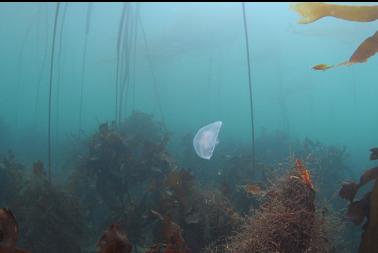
(365, 50)
(322, 67)
(311, 12)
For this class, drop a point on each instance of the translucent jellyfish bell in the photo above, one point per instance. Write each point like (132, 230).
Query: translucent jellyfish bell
(206, 139)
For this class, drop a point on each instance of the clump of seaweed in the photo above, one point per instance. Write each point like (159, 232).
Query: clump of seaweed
(365, 208)
(114, 240)
(173, 241)
(204, 215)
(11, 178)
(9, 232)
(115, 180)
(327, 166)
(286, 221)
(50, 218)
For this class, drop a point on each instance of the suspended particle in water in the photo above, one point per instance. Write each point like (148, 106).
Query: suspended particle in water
(206, 139)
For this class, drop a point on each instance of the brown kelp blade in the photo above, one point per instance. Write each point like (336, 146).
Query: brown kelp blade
(322, 67)
(369, 175)
(348, 190)
(358, 210)
(311, 12)
(365, 50)
(374, 154)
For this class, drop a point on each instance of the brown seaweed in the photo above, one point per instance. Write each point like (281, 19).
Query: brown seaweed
(8, 232)
(311, 12)
(51, 219)
(286, 222)
(172, 236)
(348, 190)
(365, 50)
(374, 154)
(8, 229)
(368, 176)
(364, 208)
(114, 240)
(369, 239)
(358, 210)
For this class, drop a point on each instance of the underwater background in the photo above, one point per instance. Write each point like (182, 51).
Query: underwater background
(184, 65)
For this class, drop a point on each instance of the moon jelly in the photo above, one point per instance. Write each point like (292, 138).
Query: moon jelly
(206, 139)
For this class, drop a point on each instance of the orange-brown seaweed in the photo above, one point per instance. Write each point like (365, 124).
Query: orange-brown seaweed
(304, 173)
(8, 229)
(365, 50)
(8, 232)
(114, 240)
(252, 189)
(173, 239)
(322, 67)
(311, 12)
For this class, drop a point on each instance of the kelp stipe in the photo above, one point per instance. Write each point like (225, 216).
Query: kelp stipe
(83, 66)
(249, 85)
(50, 87)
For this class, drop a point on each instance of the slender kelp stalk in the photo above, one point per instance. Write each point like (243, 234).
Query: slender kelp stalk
(20, 68)
(58, 76)
(134, 57)
(130, 59)
(120, 31)
(50, 87)
(88, 21)
(124, 76)
(40, 75)
(154, 80)
(250, 85)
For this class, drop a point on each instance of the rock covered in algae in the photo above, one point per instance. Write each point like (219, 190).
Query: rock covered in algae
(369, 242)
